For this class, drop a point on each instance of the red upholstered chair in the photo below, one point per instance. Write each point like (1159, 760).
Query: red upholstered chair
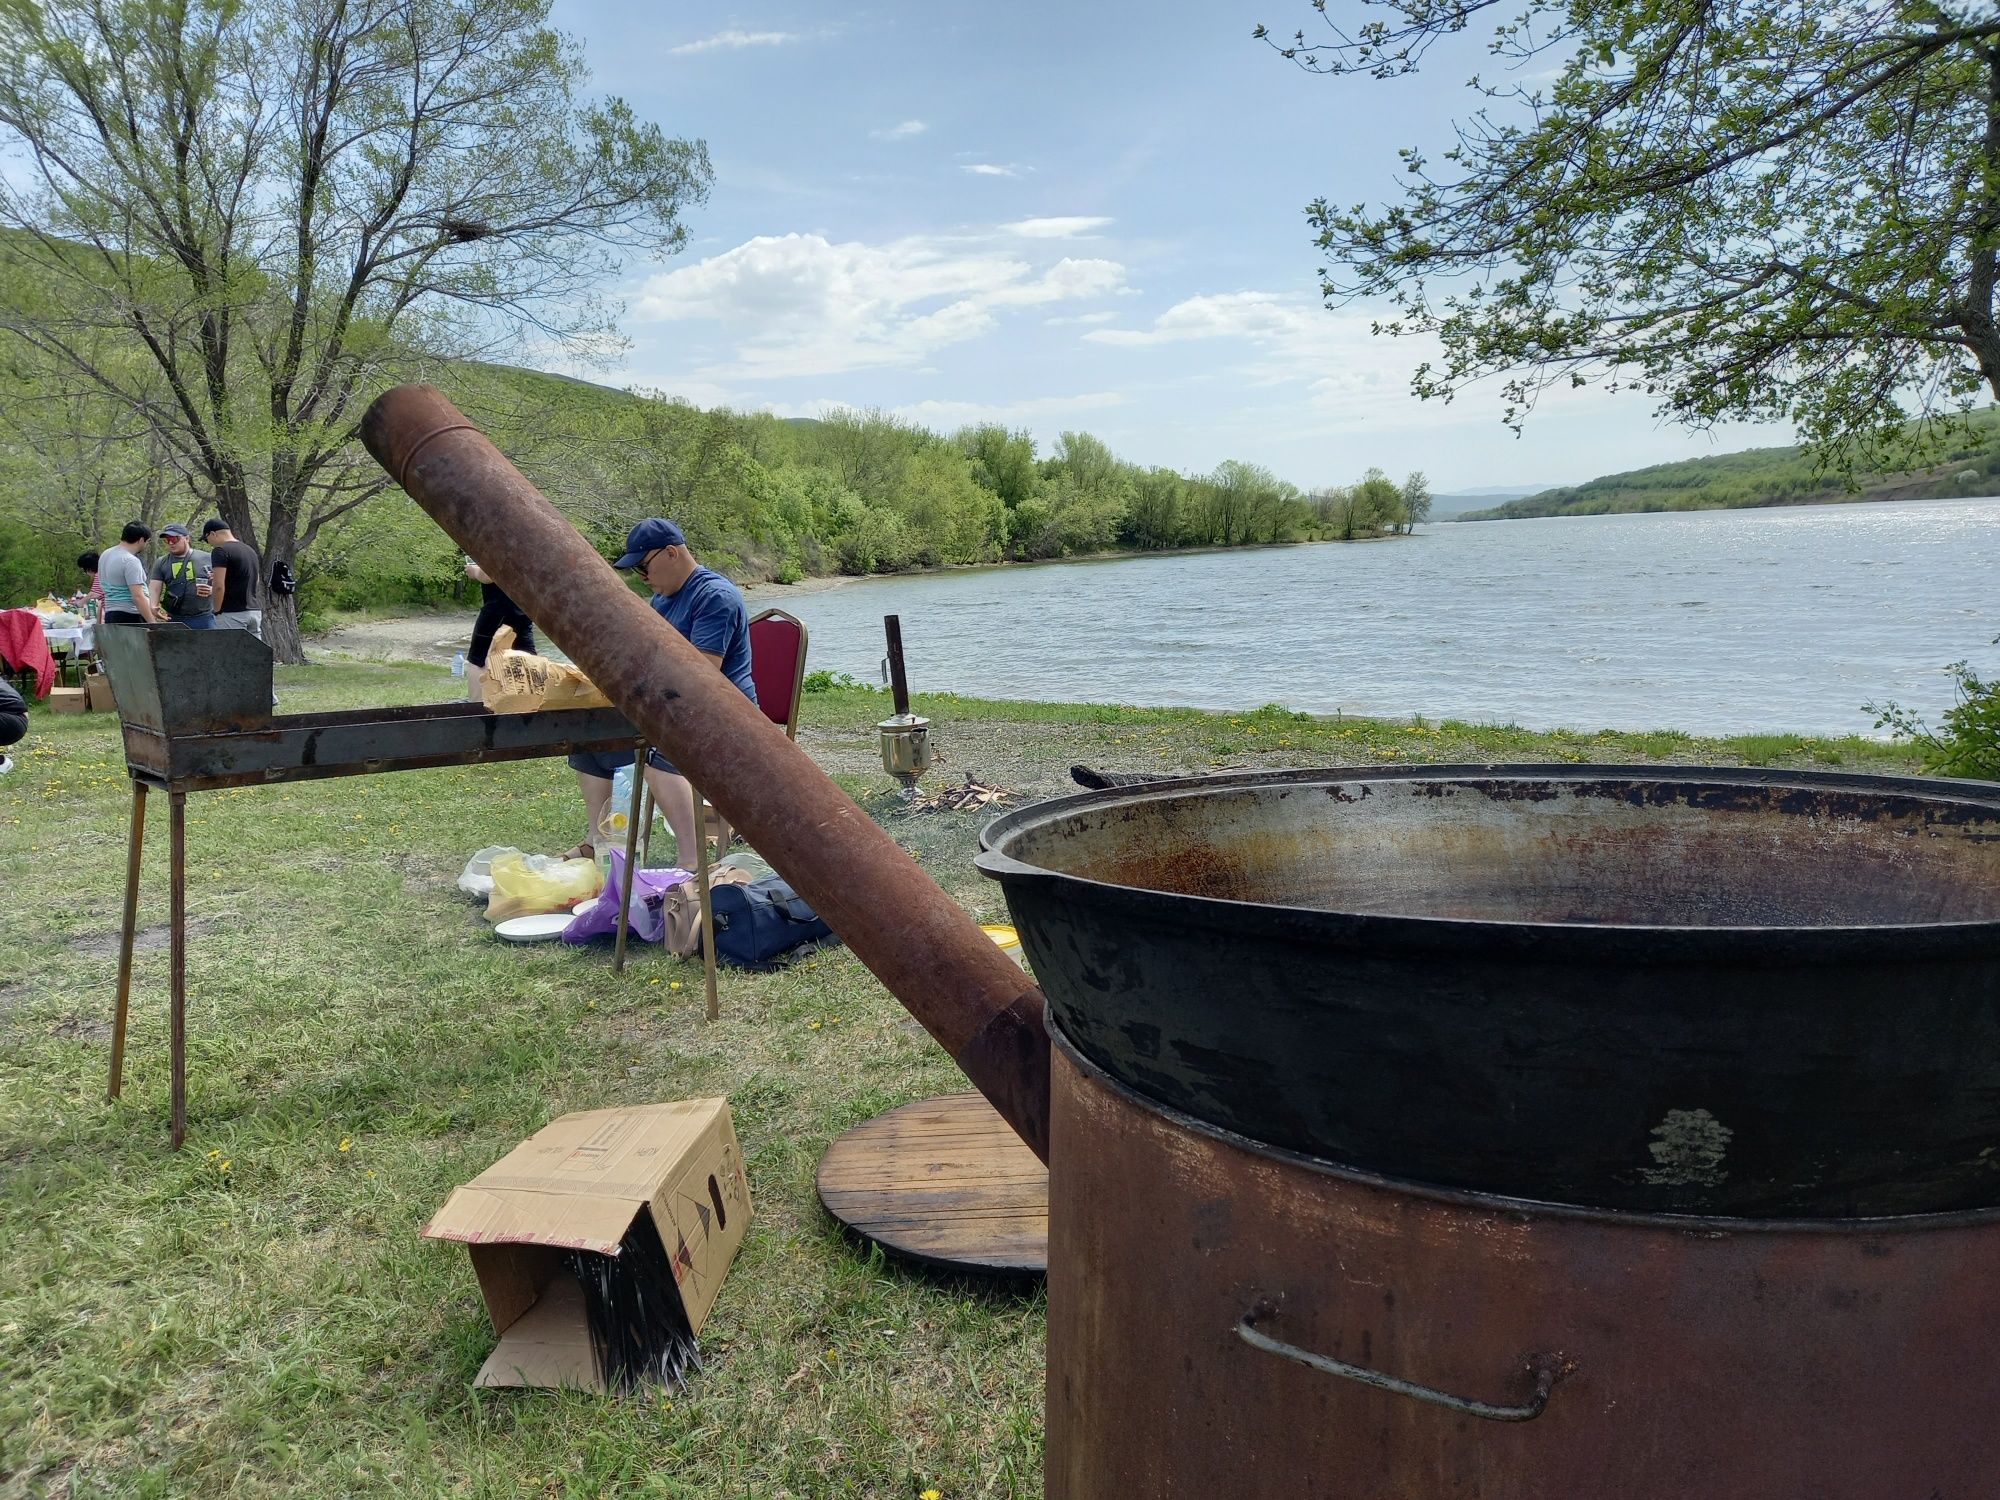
(778, 668)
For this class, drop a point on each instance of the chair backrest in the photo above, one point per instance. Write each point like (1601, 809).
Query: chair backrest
(778, 666)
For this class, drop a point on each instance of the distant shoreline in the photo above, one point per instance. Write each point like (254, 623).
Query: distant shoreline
(770, 590)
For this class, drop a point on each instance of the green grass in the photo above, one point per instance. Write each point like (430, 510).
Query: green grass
(257, 1314)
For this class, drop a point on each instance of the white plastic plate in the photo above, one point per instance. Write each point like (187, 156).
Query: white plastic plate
(538, 928)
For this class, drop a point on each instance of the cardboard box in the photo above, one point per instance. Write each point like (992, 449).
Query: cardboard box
(97, 692)
(67, 700)
(573, 1209)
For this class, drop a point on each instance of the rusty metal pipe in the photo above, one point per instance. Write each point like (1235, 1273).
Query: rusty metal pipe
(917, 941)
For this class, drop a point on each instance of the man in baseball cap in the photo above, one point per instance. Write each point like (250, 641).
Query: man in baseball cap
(181, 581)
(706, 608)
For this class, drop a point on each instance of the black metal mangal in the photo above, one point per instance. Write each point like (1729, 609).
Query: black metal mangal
(1662, 989)
(194, 707)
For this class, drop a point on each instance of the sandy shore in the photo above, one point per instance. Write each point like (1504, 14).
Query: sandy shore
(439, 635)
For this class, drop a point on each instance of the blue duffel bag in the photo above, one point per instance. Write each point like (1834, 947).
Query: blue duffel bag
(757, 924)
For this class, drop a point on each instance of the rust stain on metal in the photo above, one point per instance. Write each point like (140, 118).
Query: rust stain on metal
(1711, 1359)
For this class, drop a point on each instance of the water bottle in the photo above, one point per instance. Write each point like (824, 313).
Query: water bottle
(458, 665)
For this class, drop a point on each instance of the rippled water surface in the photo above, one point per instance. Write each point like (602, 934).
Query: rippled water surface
(1717, 622)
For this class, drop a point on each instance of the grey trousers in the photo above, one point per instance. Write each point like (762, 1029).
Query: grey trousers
(251, 620)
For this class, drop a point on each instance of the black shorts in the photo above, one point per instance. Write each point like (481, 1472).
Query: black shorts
(123, 617)
(491, 617)
(607, 763)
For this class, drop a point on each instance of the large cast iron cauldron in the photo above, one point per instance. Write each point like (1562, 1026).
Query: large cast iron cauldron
(1659, 989)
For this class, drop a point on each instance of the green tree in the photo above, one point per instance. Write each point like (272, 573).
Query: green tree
(1002, 461)
(1747, 209)
(274, 205)
(1416, 500)
(866, 450)
(1154, 517)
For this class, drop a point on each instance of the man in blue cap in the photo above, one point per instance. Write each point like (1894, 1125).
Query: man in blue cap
(706, 608)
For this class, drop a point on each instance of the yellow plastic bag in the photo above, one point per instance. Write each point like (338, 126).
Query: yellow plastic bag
(524, 884)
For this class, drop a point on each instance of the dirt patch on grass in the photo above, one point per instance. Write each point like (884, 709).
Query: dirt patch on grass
(81, 1028)
(152, 939)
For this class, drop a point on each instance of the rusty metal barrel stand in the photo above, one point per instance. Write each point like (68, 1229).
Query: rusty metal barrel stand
(1451, 970)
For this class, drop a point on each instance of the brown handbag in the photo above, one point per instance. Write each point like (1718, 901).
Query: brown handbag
(682, 910)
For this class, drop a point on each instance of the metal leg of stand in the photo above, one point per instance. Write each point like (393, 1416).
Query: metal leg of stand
(135, 845)
(631, 849)
(177, 957)
(707, 906)
(645, 824)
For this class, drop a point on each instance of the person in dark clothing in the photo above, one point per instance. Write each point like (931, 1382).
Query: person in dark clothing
(495, 610)
(13, 722)
(234, 568)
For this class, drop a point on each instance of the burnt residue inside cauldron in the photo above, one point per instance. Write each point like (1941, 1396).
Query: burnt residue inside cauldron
(1659, 854)
(1669, 989)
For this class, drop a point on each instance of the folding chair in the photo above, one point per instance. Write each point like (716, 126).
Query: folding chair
(778, 668)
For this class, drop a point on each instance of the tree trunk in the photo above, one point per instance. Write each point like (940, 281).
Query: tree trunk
(281, 629)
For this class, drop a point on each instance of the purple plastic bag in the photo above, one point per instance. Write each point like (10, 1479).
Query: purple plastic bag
(649, 893)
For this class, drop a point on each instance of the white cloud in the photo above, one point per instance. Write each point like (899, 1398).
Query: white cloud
(945, 415)
(988, 169)
(1084, 318)
(1349, 373)
(901, 132)
(735, 39)
(1260, 317)
(1056, 229)
(801, 305)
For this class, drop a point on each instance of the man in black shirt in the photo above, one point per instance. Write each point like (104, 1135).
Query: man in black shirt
(239, 598)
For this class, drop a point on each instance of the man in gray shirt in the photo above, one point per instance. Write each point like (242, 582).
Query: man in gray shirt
(122, 576)
(181, 581)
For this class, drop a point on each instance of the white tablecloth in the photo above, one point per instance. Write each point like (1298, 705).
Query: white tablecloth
(80, 638)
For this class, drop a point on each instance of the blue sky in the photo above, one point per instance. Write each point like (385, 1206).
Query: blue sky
(1056, 216)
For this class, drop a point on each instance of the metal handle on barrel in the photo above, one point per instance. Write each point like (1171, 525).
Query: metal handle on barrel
(1546, 1369)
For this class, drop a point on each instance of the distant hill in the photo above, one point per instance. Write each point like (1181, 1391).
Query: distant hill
(1448, 505)
(1762, 477)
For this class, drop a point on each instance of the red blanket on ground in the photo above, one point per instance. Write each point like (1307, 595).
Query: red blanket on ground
(23, 645)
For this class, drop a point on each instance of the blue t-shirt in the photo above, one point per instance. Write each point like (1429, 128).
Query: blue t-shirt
(709, 611)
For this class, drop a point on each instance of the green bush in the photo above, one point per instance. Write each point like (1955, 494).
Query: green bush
(827, 682)
(1968, 741)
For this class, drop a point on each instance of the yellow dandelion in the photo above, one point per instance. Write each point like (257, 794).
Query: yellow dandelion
(674, 986)
(930, 1495)
(812, 1026)
(346, 1142)
(225, 1165)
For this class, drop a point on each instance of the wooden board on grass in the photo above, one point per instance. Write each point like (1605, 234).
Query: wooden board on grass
(945, 1182)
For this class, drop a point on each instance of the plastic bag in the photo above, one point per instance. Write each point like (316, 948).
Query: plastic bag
(524, 884)
(477, 878)
(519, 683)
(647, 919)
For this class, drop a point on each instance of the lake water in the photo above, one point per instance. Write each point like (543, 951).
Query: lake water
(1717, 622)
